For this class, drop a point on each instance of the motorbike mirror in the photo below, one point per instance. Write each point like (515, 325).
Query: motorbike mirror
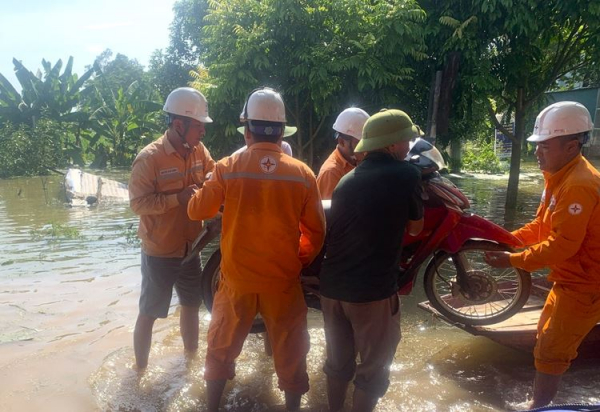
(425, 156)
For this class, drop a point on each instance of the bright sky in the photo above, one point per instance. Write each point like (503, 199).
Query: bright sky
(32, 30)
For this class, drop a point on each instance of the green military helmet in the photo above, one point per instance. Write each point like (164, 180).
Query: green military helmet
(386, 128)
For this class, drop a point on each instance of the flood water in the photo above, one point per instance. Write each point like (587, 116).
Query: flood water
(69, 290)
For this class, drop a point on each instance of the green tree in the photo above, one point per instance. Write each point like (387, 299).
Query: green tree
(532, 45)
(455, 39)
(29, 151)
(127, 120)
(112, 74)
(322, 55)
(166, 73)
(170, 68)
(52, 94)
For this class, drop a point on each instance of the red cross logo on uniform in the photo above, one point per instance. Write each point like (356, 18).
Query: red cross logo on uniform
(268, 164)
(575, 209)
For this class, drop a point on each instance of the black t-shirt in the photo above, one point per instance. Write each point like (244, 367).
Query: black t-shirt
(370, 207)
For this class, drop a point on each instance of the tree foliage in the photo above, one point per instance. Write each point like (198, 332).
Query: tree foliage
(29, 151)
(127, 120)
(532, 45)
(97, 119)
(322, 55)
(53, 94)
(112, 74)
(512, 51)
(170, 68)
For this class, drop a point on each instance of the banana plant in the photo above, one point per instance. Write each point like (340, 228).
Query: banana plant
(126, 121)
(51, 94)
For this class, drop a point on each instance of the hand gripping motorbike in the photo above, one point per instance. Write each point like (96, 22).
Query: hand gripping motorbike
(458, 282)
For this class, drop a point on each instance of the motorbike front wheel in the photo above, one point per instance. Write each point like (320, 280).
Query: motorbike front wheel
(210, 283)
(465, 289)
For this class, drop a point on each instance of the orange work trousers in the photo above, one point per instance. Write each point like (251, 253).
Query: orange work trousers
(284, 314)
(567, 317)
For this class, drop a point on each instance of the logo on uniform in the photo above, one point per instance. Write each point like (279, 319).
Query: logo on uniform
(575, 208)
(268, 164)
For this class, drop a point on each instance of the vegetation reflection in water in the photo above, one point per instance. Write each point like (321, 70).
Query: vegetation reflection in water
(437, 367)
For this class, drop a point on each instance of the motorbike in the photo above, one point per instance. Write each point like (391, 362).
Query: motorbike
(457, 281)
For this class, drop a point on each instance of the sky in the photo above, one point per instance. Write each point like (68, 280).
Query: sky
(32, 30)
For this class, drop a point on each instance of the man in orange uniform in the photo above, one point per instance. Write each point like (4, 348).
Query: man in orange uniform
(348, 128)
(273, 225)
(165, 175)
(565, 236)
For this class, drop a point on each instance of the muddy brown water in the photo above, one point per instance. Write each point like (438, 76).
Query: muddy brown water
(70, 284)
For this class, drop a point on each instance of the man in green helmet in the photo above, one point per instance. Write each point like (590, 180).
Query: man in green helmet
(371, 209)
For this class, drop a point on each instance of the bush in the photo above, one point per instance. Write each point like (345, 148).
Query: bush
(28, 151)
(479, 156)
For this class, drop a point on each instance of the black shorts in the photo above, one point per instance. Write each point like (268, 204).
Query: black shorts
(159, 275)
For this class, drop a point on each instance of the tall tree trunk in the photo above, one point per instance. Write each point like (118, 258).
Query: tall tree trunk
(449, 76)
(455, 155)
(432, 126)
(515, 156)
(299, 153)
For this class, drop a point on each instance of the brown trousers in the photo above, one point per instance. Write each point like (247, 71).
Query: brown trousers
(370, 330)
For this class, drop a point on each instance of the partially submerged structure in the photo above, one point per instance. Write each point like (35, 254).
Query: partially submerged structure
(86, 188)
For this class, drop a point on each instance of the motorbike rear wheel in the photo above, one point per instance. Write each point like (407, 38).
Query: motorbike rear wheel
(465, 289)
(210, 283)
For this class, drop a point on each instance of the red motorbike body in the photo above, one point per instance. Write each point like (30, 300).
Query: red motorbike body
(447, 227)
(456, 281)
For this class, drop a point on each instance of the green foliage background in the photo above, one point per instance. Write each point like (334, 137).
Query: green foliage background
(497, 57)
(28, 151)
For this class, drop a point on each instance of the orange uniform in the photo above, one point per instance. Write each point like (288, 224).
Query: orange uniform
(334, 168)
(273, 225)
(158, 174)
(565, 236)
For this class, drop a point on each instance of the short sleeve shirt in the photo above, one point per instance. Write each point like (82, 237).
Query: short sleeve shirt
(370, 208)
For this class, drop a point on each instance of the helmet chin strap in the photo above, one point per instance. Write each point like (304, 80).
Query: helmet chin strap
(184, 142)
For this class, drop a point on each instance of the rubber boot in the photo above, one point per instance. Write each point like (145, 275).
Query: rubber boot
(336, 393)
(363, 402)
(292, 401)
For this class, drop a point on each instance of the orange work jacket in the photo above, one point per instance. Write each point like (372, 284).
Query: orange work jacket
(565, 234)
(334, 168)
(273, 221)
(158, 174)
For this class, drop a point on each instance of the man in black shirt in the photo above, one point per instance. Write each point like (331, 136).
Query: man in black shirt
(371, 209)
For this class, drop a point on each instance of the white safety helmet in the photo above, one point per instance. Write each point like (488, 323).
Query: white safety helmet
(561, 119)
(351, 121)
(265, 104)
(187, 102)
